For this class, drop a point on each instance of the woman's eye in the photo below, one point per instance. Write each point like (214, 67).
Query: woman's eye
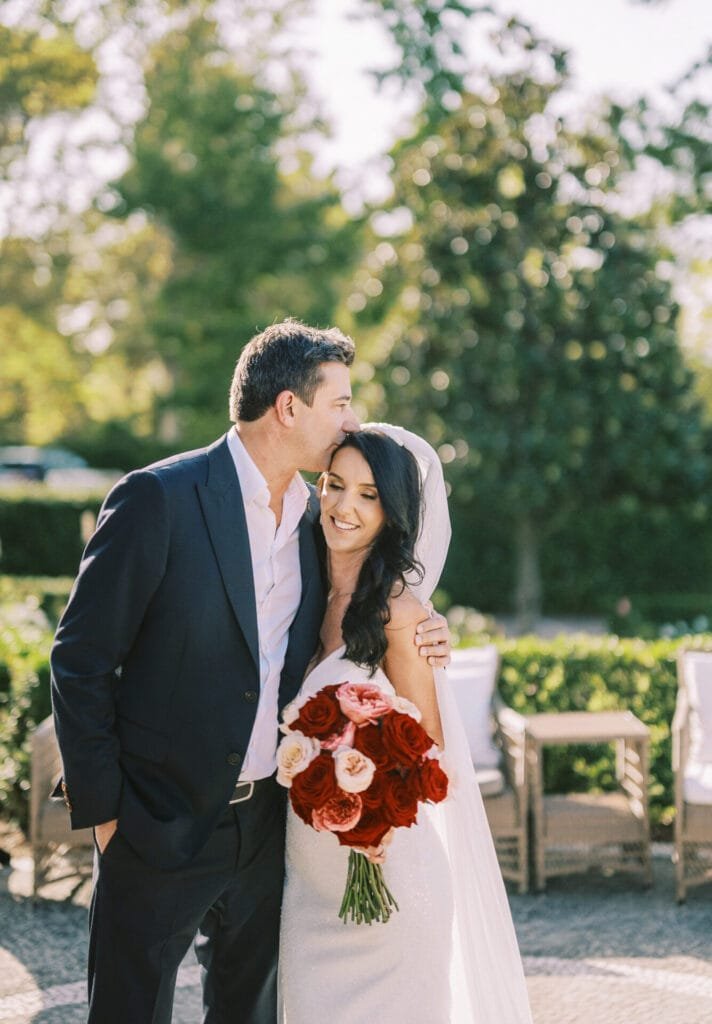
(370, 497)
(334, 487)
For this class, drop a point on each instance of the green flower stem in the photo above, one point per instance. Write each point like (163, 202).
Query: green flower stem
(367, 898)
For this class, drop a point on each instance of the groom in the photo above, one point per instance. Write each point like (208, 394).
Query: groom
(191, 623)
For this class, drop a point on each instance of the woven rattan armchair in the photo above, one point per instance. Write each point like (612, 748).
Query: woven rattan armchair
(692, 770)
(50, 830)
(497, 736)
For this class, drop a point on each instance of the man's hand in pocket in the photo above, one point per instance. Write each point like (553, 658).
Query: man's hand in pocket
(103, 833)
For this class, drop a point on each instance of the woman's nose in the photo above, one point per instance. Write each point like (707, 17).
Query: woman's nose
(344, 503)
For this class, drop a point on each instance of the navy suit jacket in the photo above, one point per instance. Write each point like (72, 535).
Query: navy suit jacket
(155, 666)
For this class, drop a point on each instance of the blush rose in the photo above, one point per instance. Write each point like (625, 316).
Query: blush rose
(363, 702)
(339, 814)
(294, 754)
(354, 771)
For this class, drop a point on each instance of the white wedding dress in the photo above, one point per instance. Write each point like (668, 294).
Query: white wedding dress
(449, 955)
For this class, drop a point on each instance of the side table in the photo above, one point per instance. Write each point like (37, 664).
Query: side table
(574, 831)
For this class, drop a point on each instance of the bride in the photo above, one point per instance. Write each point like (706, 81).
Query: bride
(449, 955)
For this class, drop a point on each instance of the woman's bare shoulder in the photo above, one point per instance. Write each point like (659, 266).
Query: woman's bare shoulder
(405, 610)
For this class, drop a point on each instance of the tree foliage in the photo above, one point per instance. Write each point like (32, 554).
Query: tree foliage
(251, 243)
(521, 318)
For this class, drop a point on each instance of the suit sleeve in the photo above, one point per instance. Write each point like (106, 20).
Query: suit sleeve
(121, 568)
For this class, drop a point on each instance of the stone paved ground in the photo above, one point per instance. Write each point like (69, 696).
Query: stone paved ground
(596, 951)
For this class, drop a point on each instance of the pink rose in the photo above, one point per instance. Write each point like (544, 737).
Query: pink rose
(341, 739)
(339, 814)
(363, 702)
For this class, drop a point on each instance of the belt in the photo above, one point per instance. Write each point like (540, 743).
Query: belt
(242, 791)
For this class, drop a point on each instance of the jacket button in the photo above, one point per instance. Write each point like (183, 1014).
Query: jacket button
(250, 696)
(234, 759)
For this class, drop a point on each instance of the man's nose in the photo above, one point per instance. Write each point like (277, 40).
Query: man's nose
(351, 423)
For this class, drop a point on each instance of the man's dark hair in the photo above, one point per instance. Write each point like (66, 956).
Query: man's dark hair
(284, 357)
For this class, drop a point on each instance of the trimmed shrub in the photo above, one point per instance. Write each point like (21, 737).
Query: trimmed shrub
(41, 531)
(25, 640)
(599, 555)
(49, 594)
(598, 674)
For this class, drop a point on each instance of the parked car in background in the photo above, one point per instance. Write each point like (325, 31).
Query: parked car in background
(58, 468)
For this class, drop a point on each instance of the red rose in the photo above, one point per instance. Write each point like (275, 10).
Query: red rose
(433, 781)
(400, 800)
(373, 796)
(370, 830)
(368, 741)
(320, 717)
(300, 807)
(404, 738)
(314, 786)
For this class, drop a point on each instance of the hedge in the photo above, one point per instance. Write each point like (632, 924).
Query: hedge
(600, 555)
(25, 640)
(599, 674)
(41, 531)
(49, 594)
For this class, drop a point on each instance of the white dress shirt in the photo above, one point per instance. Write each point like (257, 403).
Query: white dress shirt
(278, 590)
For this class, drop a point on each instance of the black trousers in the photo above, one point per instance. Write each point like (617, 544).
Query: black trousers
(142, 921)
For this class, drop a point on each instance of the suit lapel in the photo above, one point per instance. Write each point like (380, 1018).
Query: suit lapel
(221, 500)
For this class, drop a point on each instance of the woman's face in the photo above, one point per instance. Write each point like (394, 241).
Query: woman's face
(351, 512)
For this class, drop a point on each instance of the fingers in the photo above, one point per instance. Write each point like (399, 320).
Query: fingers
(432, 637)
(439, 661)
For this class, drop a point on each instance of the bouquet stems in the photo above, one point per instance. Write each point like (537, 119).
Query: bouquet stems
(367, 898)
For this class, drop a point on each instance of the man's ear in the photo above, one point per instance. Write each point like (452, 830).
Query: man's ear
(284, 408)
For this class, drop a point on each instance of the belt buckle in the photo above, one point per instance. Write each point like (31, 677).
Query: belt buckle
(241, 799)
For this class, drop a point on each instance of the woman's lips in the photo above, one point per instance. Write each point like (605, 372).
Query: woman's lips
(345, 527)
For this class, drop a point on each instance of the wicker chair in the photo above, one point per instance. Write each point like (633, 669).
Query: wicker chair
(692, 769)
(50, 830)
(496, 734)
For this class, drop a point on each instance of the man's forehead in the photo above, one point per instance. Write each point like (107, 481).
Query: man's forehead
(334, 380)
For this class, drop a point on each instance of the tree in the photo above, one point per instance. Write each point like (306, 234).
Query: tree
(251, 242)
(520, 319)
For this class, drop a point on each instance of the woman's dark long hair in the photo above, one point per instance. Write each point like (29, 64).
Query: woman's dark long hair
(392, 555)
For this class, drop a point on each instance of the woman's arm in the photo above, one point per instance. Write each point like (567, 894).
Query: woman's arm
(410, 675)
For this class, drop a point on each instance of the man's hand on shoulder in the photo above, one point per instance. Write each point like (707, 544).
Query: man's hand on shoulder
(432, 637)
(104, 833)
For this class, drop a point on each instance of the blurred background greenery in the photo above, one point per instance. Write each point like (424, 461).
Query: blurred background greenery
(514, 292)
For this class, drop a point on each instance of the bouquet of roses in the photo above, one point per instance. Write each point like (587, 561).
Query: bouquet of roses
(357, 763)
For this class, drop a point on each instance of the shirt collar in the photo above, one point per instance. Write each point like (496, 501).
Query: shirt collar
(254, 486)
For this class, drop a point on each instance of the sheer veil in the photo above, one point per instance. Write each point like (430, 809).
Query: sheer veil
(487, 978)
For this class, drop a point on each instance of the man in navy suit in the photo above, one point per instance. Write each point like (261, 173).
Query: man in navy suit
(191, 624)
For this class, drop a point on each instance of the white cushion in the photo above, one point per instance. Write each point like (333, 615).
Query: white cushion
(698, 680)
(490, 781)
(472, 674)
(697, 783)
